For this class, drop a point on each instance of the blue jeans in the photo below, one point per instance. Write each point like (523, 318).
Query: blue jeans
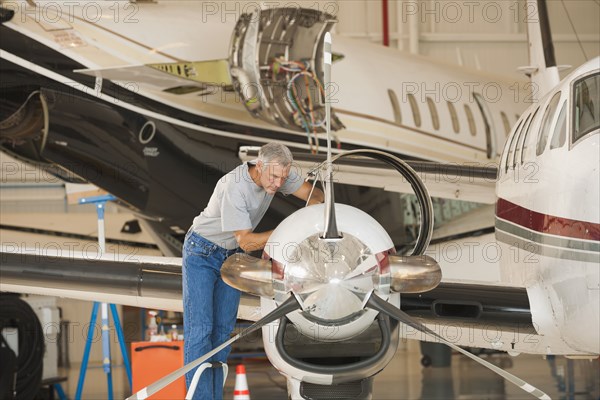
(209, 310)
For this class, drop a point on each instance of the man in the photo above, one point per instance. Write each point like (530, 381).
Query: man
(226, 226)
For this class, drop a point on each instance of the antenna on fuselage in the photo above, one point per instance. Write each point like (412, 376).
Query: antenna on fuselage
(542, 68)
(331, 230)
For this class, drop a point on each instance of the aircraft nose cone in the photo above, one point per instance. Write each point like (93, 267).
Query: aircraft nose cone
(332, 277)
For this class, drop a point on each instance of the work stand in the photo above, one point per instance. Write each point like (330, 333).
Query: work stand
(198, 374)
(100, 202)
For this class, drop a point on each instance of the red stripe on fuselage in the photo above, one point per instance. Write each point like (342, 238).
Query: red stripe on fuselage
(545, 223)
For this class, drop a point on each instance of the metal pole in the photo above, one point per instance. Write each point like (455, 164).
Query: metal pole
(115, 315)
(100, 202)
(106, 362)
(86, 352)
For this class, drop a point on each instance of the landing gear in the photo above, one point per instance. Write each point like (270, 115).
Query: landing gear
(435, 355)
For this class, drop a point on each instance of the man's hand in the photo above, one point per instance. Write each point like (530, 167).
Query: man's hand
(317, 196)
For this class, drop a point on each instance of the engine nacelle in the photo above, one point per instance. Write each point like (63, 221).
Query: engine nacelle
(276, 66)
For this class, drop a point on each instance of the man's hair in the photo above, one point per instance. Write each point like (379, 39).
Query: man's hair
(275, 153)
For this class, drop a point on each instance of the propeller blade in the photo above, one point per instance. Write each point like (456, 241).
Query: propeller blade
(285, 308)
(248, 274)
(378, 304)
(367, 264)
(414, 274)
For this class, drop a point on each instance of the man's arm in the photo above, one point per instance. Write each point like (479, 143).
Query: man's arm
(317, 196)
(250, 241)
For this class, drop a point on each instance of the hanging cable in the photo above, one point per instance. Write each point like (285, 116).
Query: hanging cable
(305, 108)
(574, 30)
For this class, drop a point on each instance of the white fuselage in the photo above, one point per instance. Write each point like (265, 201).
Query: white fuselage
(547, 216)
(386, 99)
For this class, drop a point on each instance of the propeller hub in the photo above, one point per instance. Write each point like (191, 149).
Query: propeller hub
(331, 277)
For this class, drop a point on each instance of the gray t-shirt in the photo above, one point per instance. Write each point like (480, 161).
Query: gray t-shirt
(237, 203)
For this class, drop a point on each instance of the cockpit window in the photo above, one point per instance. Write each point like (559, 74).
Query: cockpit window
(546, 124)
(505, 122)
(511, 147)
(586, 106)
(525, 141)
(560, 129)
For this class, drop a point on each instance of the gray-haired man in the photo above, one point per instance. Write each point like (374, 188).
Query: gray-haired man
(226, 226)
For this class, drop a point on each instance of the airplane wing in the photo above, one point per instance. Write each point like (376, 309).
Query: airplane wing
(475, 315)
(128, 279)
(468, 182)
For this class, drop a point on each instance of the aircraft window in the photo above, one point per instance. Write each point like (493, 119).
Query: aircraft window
(415, 110)
(560, 129)
(518, 148)
(511, 148)
(527, 134)
(488, 128)
(435, 118)
(505, 122)
(520, 144)
(395, 106)
(471, 120)
(586, 118)
(546, 124)
(454, 117)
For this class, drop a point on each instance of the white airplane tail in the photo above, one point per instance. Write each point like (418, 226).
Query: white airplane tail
(542, 68)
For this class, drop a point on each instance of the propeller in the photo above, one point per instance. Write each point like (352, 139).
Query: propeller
(376, 303)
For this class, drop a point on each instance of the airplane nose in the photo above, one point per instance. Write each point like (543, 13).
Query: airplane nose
(331, 279)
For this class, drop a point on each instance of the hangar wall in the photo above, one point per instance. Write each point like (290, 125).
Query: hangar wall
(483, 34)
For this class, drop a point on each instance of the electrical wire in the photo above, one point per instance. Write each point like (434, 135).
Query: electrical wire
(292, 88)
(303, 109)
(574, 30)
(15, 313)
(317, 177)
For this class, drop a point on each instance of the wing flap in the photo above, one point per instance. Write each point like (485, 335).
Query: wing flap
(166, 76)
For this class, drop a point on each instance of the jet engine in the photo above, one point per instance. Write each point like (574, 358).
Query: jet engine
(276, 66)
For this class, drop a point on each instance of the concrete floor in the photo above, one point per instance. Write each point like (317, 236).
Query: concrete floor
(404, 378)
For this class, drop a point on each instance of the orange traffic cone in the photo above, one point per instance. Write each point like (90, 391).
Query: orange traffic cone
(240, 391)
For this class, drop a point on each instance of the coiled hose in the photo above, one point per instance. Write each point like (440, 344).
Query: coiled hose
(426, 226)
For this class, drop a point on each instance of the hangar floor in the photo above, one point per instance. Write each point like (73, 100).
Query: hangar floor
(405, 378)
